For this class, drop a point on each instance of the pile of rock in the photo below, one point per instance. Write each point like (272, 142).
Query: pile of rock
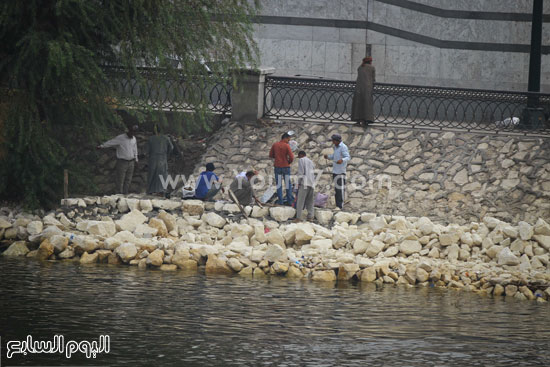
(490, 257)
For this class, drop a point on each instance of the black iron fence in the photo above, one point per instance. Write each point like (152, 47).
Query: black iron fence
(160, 90)
(394, 104)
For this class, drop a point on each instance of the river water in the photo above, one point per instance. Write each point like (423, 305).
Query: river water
(156, 318)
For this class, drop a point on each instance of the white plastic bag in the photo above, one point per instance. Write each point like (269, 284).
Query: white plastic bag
(187, 192)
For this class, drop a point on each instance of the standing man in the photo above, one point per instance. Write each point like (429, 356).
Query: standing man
(282, 155)
(362, 106)
(159, 147)
(340, 159)
(306, 187)
(126, 156)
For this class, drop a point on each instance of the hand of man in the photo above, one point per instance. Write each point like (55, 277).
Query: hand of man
(339, 161)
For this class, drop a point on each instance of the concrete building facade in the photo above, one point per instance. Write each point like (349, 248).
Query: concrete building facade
(454, 43)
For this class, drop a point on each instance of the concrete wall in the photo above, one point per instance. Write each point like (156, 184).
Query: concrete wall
(448, 176)
(335, 51)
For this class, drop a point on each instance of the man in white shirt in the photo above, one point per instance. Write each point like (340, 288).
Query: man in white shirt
(306, 187)
(340, 159)
(126, 156)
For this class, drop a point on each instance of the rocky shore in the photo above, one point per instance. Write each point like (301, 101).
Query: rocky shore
(491, 257)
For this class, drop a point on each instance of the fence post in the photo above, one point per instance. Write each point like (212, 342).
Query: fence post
(247, 101)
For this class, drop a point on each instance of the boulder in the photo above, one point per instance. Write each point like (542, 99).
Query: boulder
(449, 238)
(279, 267)
(87, 258)
(378, 224)
(5, 224)
(498, 290)
(425, 225)
(323, 216)
(45, 250)
(507, 257)
(422, 275)
(347, 271)
(214, 220)
(66, 254)
(155, 258)
(101, 228)
(374, 248)
(258, 212)
(168, 219)
(145, 231)
(59, 243)
(159, 225)
(294, 273)
(454, 252)
(324, 276)
(368, 275)
(360, 246)
(235, 264)
(345, 217)
(214, 265)
(168, 267)
(409, 247)
(525, 230)
(276, 238)
(126, 251)
(193, 207)
(282, 213)
(304, 233)
(542, 228)
(18, 248)
(275, 253)
(187, 265)
(493, 251)
(543, 240)
(129, 222)
(34, 227)
(145, 205)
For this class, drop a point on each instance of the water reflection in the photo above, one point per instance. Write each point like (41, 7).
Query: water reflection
(178, 319)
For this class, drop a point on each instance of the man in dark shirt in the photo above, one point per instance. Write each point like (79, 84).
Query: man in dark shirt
(282, 158)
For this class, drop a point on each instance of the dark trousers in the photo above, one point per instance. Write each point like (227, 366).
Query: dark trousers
(339, 188)
(124, 171)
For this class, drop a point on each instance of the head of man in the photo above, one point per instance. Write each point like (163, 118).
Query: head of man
(301, 154)
(210, 167)
(367, 60)
(251, 174)
(285, 137)
(336, 139)
(132, 131)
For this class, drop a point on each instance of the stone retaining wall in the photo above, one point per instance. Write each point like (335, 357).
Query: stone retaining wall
(448, 176)
(491, 257)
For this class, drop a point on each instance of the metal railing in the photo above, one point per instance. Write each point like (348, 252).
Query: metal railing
(394, 104)
(161, 90)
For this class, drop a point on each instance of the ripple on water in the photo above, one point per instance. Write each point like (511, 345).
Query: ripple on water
(175, 319)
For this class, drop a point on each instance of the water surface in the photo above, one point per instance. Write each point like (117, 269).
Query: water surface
(159, 318)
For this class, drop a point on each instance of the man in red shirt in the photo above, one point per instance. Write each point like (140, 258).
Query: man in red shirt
(282, 155)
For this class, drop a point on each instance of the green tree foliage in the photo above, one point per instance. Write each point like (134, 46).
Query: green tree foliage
(56, 91)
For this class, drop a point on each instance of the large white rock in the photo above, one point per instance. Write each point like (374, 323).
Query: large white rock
(193, 207)
(145, 205)
(59, 243)
(425, 225)
(34, 227)
(258, 212)
(507, 257)
(168, 219)
(449, 238)
(374, 248)
(409, 247)
(454, 252)
(18, 248)
(304, 233)
(345, 217)
(133, 204)
(275, 253)
(525, 230)
(360, 246)
(129, 222)
(282, 213)
(323, 216)
(322, 245)
(5, 224)
(126, 251)
(543, 240)
(275, 237)
(101, 228)
(214, 220)
(239, 247)
(170, 204)
(378, 224)
(542, 228)
(145, 231)
(49, 220)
